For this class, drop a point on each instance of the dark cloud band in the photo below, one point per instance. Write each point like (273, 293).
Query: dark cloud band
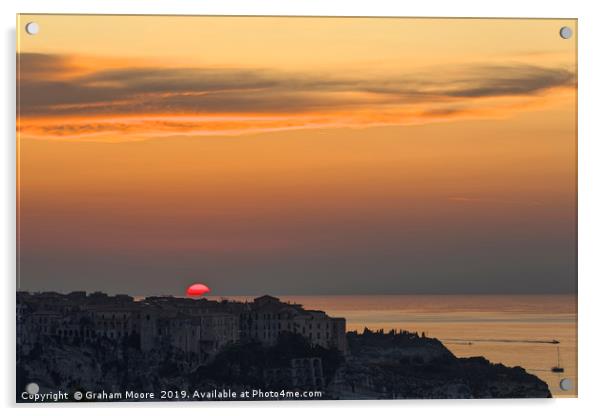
(46, 89)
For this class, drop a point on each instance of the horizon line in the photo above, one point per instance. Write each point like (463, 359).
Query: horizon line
(113, 293)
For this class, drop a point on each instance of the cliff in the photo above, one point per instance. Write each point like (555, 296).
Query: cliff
(379, 366)
(405, 365)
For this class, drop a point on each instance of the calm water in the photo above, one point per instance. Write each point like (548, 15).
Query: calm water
(513, 330)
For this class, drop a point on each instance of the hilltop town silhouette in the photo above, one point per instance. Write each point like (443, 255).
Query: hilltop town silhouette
(97, 342)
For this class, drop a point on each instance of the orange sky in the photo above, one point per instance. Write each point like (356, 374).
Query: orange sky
(177, 143)
(278, 74)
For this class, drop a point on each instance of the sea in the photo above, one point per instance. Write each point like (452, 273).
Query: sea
(536, 332)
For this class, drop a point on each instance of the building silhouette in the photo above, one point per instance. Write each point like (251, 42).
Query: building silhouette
(199, 327)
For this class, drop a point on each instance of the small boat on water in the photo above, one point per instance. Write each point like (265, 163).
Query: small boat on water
(558, 368)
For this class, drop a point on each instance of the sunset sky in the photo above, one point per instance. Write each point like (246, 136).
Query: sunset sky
(296, 155)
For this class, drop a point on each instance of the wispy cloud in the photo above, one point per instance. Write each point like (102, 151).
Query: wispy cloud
(57, 98)
(493, 201)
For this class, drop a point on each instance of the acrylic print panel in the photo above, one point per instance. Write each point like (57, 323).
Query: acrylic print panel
(263, 208)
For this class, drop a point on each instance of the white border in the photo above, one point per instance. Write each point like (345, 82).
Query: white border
(590, 195)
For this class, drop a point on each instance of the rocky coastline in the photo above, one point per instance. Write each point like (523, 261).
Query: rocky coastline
(378, 365)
